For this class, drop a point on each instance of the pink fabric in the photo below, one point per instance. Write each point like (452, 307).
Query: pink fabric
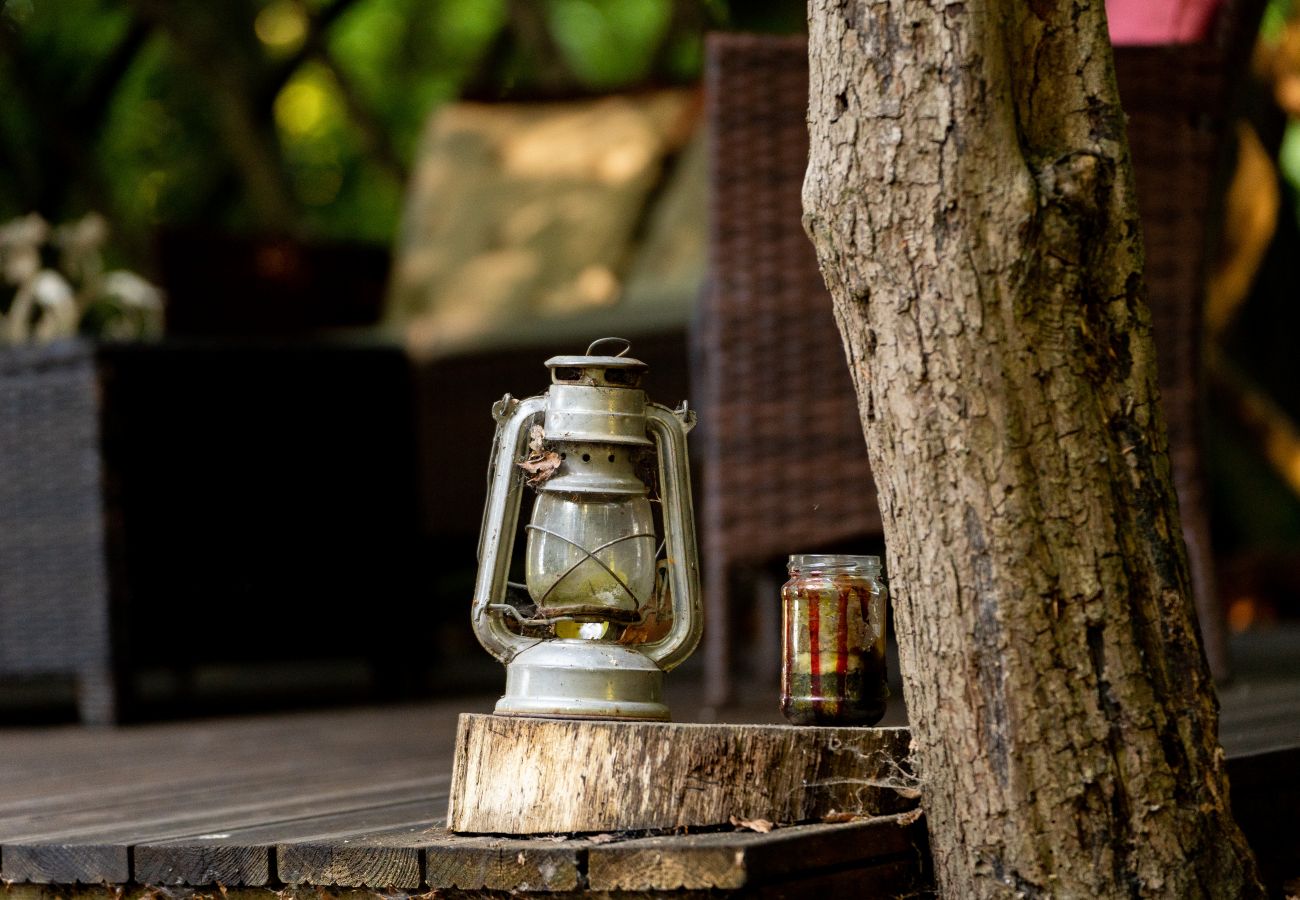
(1160, 21)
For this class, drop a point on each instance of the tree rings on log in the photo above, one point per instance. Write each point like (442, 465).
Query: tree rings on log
(516, 775)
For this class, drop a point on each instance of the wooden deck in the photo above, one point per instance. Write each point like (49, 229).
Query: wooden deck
(356, 799)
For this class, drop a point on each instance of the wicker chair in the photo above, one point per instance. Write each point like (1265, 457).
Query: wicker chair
(54, 599)
(784, 464)
(782, 456)
(186, 503)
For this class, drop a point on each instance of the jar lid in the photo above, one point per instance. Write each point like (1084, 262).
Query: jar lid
(834, 561)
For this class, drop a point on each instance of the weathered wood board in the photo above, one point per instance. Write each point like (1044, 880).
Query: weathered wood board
(389, 859)
(731, 860)
(502, 864)
(515, 775)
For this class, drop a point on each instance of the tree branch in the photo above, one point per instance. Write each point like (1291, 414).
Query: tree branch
(246, 134)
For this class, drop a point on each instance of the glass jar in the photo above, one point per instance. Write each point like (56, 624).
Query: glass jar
(833, 662)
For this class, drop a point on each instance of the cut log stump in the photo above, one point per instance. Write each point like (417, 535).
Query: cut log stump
(515, 775)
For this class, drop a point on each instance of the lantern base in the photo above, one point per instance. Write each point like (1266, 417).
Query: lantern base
(580, 679)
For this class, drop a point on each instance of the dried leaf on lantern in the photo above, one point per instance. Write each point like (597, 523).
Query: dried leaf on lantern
(657, 615)
(536, 438)
(541, 463)
(762, 826)
(541, 469)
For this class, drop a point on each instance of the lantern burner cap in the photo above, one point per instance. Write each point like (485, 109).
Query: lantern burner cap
(598, 370)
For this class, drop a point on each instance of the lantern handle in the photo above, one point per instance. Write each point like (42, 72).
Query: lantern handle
(500, 520)
(627, 345)
(669, 431)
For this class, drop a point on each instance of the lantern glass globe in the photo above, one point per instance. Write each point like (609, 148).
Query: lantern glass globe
(591, 556)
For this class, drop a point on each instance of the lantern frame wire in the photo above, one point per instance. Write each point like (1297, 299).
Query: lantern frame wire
(591, 554)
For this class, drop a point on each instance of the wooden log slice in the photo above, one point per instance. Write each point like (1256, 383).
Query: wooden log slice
(516, 775)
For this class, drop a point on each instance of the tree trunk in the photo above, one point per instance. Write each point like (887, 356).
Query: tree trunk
(971, 200)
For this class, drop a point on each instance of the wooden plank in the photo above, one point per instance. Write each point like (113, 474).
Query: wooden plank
(73, 806)
(104, 854)
(244, 856)
(733, 860)
(515, 775)
(55, 795)
(149, 799)
(218, 864)
(119, 770)
(382, 859)
(171, 755)
(248, 856)
(234, 800)
(503, 864)
(58, 862)
(98, 785)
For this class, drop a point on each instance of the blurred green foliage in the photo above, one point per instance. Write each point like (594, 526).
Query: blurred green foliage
(296, 117)
(1274, 17)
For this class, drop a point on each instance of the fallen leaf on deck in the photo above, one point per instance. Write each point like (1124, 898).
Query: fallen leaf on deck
(834, 817)
(908, 818)
(762, 826)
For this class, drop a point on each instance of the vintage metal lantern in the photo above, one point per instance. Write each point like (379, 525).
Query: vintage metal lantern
(593, 642)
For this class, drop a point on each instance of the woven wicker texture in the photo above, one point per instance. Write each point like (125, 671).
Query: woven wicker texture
(54, 616)
(783, 456)
(781, 412)
(784, 462)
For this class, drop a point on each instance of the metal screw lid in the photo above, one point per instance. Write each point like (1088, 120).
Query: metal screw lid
(834, 562)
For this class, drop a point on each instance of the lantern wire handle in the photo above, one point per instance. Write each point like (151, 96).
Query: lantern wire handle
(669, 430)
(501, 516)
(627, 345)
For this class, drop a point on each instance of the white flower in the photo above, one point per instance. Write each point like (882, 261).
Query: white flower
(57, 303)
(129, 289)
(20, 247)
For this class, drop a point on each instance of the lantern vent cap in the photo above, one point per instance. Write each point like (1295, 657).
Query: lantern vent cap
(599, 370)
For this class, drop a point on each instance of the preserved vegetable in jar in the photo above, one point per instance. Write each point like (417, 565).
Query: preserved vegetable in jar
(833, 661)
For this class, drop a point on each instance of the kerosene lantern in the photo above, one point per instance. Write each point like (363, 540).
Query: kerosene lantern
(591, 643)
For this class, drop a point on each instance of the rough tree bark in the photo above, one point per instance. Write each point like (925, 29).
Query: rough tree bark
(971, 200)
